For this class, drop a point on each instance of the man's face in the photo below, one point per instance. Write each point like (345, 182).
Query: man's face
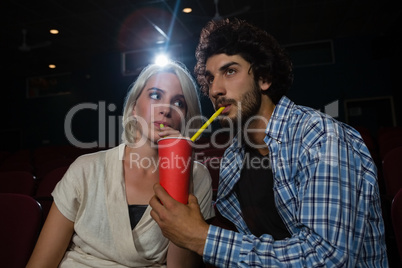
(231, 84)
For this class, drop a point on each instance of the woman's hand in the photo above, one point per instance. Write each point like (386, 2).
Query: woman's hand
(166, 131)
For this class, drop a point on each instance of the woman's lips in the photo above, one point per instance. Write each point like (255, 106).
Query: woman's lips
(160, 125)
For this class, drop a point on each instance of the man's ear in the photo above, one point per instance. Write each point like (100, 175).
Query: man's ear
(264, 84)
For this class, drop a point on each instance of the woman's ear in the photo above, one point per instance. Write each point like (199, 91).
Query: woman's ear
(133, 113)
(264, 84)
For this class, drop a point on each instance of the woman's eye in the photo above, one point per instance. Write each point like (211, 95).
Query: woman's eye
(179, 103)
(155, 96)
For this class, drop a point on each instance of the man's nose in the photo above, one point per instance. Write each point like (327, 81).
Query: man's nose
(217, 88)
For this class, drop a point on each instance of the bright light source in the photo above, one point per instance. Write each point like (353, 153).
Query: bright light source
(52, 66)
(54, 31)
(161, 60)
(187, 10)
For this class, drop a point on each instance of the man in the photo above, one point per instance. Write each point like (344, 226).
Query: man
(316, 205)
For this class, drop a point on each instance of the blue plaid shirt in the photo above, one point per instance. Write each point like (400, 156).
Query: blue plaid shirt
(325, 190)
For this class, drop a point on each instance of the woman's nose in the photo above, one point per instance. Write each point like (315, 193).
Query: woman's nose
(165, 109)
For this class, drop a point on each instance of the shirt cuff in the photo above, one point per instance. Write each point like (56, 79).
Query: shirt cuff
(222, 247)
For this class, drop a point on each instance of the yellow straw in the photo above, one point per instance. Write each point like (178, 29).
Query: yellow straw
(198, 133)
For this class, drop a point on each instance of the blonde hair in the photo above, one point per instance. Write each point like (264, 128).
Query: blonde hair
(190, 93)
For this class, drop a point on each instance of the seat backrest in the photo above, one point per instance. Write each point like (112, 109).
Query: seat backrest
(20, 156)
(46, 167)
(21, 222)
(392, 171)
(388, 132)
(20, 182)
(49, 181)
(396, 215)
(386, 146)
(46, 186)
(16, 166)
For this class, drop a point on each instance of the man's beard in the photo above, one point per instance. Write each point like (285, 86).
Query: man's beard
(247, 107)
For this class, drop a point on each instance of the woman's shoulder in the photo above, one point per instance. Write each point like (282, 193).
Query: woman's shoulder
(90, 160)
(85, 159)
(199, 168)
(201, 174)
(87, 168)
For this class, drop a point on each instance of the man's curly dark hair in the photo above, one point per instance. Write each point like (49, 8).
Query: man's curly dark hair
(237, 37)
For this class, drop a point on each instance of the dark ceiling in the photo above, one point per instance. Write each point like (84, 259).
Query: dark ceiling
(92, 27)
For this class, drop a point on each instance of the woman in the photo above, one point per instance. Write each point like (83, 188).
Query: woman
(101, 204)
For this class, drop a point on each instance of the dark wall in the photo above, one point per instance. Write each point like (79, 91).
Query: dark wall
(361, 70)
(361, 75)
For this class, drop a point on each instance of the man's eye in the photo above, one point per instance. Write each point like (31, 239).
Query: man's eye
(155, 96)
(210, 80)
(230, 71)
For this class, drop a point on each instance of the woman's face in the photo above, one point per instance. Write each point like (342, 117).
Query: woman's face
(160, 102)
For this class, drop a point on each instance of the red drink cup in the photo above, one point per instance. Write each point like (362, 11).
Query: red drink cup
(175, 165)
